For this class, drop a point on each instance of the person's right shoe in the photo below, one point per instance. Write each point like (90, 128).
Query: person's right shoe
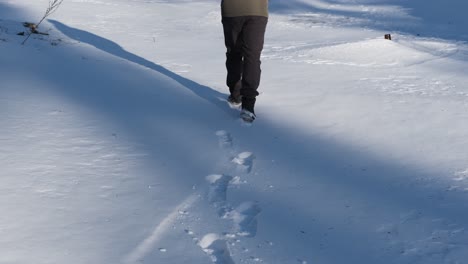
(247, 116)
(248, 113)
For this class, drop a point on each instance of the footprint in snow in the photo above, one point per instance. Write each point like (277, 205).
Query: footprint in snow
(244, 161)
(217, 192)
(461, 175)
(216, 247)
(245, 218)
(224, 139)
(461, 179)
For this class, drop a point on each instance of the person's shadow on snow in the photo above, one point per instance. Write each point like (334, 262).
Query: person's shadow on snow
(113, 48)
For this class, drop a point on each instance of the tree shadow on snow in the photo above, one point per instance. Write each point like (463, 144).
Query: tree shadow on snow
(113, 48)
(7, 12)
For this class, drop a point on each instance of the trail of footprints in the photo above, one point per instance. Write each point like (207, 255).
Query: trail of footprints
(243, 218)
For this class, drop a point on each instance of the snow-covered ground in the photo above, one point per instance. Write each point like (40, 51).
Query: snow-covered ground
(116, 144)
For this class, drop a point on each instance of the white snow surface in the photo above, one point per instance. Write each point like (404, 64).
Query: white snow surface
(117, 145)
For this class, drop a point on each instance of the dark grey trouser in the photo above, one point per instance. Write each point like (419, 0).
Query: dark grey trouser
(244, 38)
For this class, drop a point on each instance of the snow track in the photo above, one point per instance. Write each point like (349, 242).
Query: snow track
(159, 231)
(243, 217)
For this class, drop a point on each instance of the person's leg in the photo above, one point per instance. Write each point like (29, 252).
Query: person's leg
(233, 39)
(253, 40)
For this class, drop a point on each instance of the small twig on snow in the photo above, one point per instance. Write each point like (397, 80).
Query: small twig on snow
(53, 6)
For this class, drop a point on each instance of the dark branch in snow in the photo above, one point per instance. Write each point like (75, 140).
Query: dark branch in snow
(53, 6)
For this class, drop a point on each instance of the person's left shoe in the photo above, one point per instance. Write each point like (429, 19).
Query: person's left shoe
(247, 116)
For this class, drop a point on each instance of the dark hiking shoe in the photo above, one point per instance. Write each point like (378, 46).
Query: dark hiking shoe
(248, 104)
(247, 116)
(234, 100)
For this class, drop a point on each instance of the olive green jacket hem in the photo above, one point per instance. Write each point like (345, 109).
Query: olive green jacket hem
(236, 8)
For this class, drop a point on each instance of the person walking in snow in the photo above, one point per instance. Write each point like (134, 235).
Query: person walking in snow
(244, 23)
